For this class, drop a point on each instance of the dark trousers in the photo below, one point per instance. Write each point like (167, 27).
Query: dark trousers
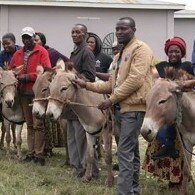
(77, 144)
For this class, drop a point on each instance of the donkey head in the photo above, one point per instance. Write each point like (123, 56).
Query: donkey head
(8, 87)
(62, 90)
(161, 108)
(41, 91)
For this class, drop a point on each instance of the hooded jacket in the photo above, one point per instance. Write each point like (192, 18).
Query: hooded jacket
(103, 61)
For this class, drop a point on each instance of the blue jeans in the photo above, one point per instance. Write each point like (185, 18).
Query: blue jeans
(166, 136)
(128, 153)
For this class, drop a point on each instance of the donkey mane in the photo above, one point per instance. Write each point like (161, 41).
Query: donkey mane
(178, 75)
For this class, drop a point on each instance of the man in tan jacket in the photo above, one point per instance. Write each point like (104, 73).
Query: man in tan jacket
(129, 83)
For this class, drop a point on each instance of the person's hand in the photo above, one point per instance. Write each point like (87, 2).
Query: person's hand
(105, 104)
(187, 85)
(80, 82)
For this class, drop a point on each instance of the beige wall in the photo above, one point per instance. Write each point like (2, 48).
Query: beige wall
(153, 26)
(185, 28)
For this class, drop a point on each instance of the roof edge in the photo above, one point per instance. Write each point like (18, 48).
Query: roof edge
(183, 15)
(96, 5)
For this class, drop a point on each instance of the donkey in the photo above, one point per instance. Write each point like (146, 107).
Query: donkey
(63, 91)
(167, 105)
(11, 110)
(41, 92)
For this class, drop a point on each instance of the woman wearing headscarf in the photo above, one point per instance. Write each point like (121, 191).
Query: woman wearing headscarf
(175, 50)
(164, 156)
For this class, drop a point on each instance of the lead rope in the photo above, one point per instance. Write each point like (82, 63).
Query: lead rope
(80, 104)
(178, 124)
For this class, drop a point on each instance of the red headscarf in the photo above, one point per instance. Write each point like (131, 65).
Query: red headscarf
(176, 41)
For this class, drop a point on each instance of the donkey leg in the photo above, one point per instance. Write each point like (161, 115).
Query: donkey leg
(186, 169)
(2, 135)
(63, 126)
(19, 140)
(7, 137)
(13, 128)
(89, 157)
(67, 160)
(107, 139)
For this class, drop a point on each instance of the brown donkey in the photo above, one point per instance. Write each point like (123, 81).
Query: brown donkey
(167, 105)
(62, 92)
(11, 108)
(41, 92)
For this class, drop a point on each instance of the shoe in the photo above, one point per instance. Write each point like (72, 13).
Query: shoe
(39, 160)
(28, 158)
(166, 152)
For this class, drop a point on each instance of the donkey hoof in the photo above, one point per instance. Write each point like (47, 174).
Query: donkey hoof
(86, 179)
(110, 182)
(19, 156)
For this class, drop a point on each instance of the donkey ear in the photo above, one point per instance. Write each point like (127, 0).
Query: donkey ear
(39, 70)
(68, 66)
(60, 65)
(1, 72)
(74, 83)
(50, 75)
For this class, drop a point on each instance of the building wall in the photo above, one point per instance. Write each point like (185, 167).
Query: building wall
(184, 27)
(153, 26)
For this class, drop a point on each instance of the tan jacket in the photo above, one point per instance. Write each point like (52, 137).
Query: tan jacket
(134, 78)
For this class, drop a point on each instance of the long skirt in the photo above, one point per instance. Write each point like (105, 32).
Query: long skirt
(165, 168)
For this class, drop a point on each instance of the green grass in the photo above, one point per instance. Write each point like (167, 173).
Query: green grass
(17, 178)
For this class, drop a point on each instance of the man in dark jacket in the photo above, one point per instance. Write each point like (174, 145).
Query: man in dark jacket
(84, 62)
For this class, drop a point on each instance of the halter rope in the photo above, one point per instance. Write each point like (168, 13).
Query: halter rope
(68, 102)
(178, 122)
(11, 121)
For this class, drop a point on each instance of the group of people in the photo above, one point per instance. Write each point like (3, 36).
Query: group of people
(127, 78)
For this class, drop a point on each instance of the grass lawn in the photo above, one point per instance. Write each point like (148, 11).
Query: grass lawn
(18, 178)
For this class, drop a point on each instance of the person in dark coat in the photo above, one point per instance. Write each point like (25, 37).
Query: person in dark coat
(193, 57)
(175, 58)
(10, 47)
(103, 61)
(54, 55)
(84, 62)
(175, 49)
